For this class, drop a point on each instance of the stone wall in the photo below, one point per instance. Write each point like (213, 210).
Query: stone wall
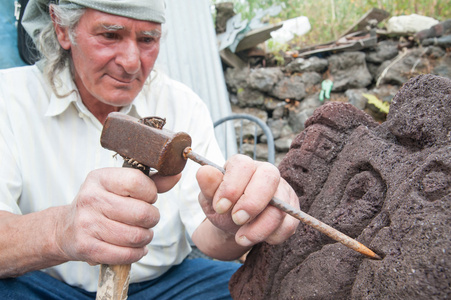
(285, 96)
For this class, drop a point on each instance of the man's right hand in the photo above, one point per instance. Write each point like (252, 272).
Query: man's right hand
(111, 219)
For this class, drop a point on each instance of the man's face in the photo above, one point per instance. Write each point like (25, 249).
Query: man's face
(112, 57)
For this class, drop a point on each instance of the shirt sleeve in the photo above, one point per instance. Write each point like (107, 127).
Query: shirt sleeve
(10, 176)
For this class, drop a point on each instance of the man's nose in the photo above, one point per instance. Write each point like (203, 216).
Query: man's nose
(129, 57)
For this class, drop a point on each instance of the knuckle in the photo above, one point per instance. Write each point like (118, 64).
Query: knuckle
(86, 249)
(131, 255)
(277, 238)
(241, 158)
(84, 196)
(273, 240)
(147, 217)
(139, 236)
(241, 162)
(272, 174)
(232, 192)
(141, 216)
(84, 221)
(128, 256)
(134, 180)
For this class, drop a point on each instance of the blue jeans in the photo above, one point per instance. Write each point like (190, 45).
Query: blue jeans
(193, 279)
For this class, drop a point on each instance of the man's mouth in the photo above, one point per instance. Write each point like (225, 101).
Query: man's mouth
(123, 80)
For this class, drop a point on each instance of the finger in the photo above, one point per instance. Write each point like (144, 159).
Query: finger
(260, 228)
(120, 234)
(209, 179)
(104, 253)
(128, 210)
(126, 182)
(238, 172)
(272, 225)
(86, 246)
(290, 223)
(259, 191)
(165, 183)
(283, 232)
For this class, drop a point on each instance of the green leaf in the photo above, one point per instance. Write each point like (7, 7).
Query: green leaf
(381, 105)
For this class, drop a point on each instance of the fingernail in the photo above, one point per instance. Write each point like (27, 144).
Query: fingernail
(240, 217)
(223, 206)
(243, 241)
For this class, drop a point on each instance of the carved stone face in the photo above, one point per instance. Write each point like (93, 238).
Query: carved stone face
(388, 186)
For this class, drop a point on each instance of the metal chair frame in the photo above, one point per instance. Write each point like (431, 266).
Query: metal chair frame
(257, 122)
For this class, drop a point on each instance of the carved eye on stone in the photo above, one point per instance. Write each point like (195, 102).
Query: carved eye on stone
(325, 148)
(321, 144)
(361, 202)
(435, 182)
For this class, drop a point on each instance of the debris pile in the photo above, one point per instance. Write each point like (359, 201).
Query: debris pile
(365, 68)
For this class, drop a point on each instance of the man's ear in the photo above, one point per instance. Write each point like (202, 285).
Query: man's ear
(62, 33)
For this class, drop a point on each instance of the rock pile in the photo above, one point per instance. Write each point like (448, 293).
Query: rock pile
(387, 185)
(284, 97)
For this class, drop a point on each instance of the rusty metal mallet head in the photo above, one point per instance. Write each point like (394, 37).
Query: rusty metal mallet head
(156, 148)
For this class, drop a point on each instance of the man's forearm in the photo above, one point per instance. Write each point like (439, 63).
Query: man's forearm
(27, 243)
(216, 243)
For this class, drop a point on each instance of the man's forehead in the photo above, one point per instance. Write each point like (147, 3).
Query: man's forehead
(145, 10)
(96, 21)
(36, 16)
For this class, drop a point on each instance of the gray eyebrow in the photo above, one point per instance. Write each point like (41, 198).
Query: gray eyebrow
(113, 27)
(152, 33)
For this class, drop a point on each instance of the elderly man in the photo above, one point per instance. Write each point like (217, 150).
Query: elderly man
(67, 206)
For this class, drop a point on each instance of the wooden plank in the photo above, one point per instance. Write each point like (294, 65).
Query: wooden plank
(256, 36)
(231, 59)
(350, 46)
(373, 14)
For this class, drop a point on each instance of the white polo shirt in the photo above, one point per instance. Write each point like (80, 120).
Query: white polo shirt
(48, 145)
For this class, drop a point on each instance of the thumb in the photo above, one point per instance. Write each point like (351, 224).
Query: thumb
(209, 179)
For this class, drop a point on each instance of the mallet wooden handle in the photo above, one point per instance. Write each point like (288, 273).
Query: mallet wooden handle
(151, 147)
(113, 282)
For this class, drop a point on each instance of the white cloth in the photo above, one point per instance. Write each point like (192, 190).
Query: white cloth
(48, 145)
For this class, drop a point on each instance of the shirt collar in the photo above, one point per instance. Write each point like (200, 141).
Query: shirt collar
(57, 104)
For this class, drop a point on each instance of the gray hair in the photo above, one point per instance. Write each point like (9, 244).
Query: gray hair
(56, 58)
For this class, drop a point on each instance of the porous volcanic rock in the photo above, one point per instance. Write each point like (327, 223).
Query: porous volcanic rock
(387, 185)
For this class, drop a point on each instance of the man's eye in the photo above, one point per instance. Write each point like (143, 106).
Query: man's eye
(110, 35)
(147, 40)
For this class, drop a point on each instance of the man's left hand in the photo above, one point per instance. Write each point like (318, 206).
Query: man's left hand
(238, 201)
